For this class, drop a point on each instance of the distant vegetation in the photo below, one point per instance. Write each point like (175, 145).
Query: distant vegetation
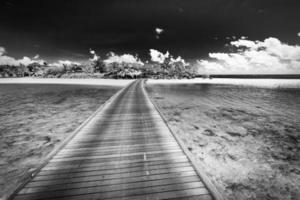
(99, 68)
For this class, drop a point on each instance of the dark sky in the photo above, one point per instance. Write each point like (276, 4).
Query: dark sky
(66, 29)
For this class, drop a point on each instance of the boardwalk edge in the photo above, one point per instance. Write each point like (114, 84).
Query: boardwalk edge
(20, 186)
(197, 165)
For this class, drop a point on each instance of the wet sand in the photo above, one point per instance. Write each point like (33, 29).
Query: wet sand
(34, 118)
(247, 137)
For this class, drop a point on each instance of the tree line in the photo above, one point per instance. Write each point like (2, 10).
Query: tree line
(98, 68)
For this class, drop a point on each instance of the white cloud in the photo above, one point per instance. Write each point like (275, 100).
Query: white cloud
(26, 61)
(234, 60)
(157, 56)
(61, 63)
(2, 51)
(261, 58)
(92, 52)
(37, 56)
(210, 67)
(159, 31)
(272, 46)
(268, 56)
(295, 65)
(125, 58)
(179, 60)
(7, 60)
(244, 43)
(299, 34)
(284, 51)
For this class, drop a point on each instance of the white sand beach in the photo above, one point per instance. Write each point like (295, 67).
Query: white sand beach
(104, 82)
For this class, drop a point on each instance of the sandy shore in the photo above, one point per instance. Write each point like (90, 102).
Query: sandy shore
(34, 118)
(247, 138)
(103, 82)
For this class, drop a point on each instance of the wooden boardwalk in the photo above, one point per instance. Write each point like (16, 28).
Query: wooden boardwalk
(125, 152)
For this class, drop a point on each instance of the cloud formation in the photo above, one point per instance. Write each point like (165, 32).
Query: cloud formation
(125, 58)
(269, 56)
(159, 57)
(2, 51)
(62, 63)
(158, 32)
(7, 60)
(179, 60)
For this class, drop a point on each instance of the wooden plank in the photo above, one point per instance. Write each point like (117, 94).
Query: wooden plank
(99, 194)
(105, 167)
(34, 183)
(133, 121)
(142, 168)
(35, 187)
(122, 146)
(63, 165)
(122, 131)
(115, 151)
(113, 134)
(120, 138)
(183, 194)
(138, 157)
(73, 158)
(114, 186)
(129, 115)
(116, 143)
(131, 126)
(111, 165)
(107, 174)
(129, 118)
(116, 148)
(107, 136)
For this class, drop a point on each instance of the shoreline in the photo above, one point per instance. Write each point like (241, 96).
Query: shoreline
(67, 81)
(268, 83)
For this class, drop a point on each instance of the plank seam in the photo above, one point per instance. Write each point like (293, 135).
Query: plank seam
(190, 173)
(116, 190)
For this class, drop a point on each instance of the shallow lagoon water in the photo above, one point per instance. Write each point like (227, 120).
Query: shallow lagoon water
(279, 100)
(246, 135)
